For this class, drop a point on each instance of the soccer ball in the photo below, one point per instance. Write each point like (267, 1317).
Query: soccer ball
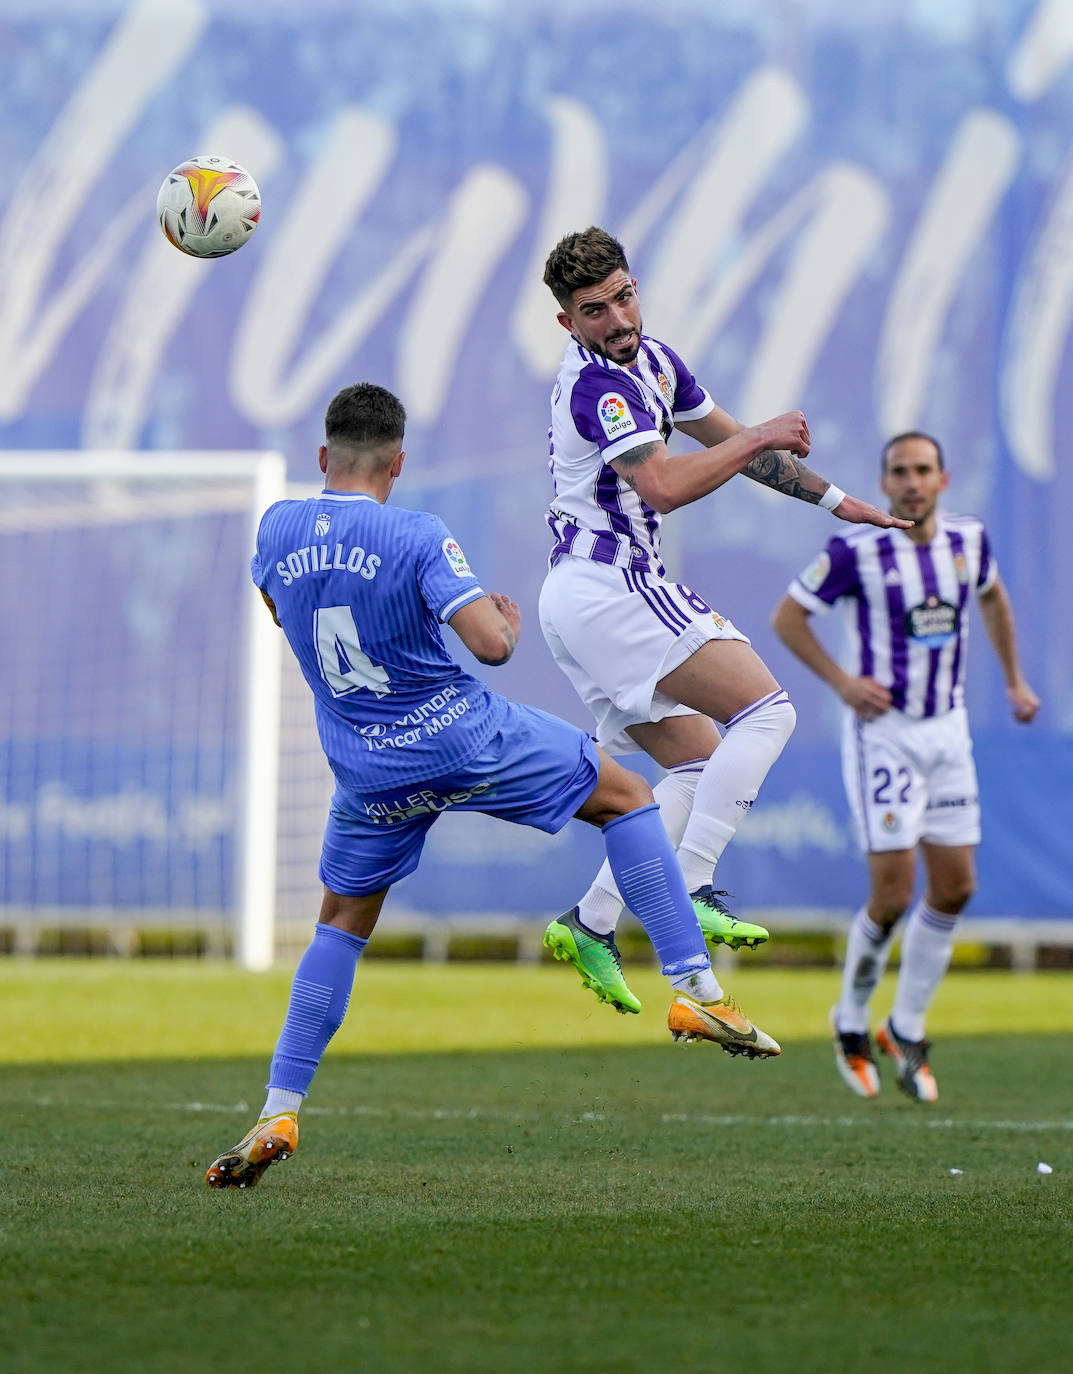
(208, 206)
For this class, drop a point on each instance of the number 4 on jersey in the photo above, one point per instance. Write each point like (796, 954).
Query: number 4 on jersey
(343, 665)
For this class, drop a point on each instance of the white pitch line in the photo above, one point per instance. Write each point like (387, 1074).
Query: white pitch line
(666, 1118)
(852, 1122)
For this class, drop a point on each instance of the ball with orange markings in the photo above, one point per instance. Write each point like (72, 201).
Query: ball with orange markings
(208, 206)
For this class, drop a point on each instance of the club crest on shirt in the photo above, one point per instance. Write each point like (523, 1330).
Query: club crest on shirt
(456, 558)
(664, 386)
(961, 568)
(815, 574)
(324, 522)
(614, 413)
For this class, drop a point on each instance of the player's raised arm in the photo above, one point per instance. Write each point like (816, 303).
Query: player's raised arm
(488, 627)
(666, 482)
(782, 468)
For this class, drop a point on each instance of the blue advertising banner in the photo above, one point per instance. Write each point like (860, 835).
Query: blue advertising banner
(862, 212)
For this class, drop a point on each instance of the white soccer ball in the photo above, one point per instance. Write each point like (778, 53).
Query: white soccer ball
(208, 206)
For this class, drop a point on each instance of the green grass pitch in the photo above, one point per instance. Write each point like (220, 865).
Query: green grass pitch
(498, 1174)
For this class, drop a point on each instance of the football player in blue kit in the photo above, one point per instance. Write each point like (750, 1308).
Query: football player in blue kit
(360, 589)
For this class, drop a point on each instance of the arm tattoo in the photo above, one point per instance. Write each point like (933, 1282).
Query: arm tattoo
(781, 470)
(635, 458)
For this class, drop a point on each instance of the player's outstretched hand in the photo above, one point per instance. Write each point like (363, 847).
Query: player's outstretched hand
(861, 513)
(1025, 702)
(509, 610)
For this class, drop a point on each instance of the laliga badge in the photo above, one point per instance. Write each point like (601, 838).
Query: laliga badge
(614, 413)
(815, 574)
(452, 551)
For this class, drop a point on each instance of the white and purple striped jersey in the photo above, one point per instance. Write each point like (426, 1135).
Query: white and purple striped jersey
(905, 606)
(599, 411)
(361, 590)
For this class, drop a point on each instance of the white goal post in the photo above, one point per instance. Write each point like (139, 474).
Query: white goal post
(140, 681)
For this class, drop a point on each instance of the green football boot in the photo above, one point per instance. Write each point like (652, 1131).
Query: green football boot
(719, 926)
(595, 957)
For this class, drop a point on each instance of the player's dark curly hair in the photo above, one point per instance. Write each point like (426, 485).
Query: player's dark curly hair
(582, 260)
(365, 414)
(912, 434)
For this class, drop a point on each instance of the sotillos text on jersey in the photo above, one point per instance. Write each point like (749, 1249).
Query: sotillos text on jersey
(320, 558)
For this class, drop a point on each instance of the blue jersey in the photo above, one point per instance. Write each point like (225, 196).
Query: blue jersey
(360, 590)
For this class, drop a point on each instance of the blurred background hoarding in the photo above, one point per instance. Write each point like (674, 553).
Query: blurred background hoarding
(864, 212)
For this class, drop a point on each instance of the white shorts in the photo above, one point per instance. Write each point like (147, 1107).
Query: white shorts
(615, 633)
(909, 780)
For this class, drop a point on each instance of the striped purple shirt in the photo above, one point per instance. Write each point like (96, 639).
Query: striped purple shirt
(905, 606)
(599, 411)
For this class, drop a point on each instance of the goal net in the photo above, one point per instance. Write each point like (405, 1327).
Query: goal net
(139, 696)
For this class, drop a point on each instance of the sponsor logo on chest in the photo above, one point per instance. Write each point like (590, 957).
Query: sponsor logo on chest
(933, 623)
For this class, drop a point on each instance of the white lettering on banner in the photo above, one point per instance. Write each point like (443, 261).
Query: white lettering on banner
(346, 172)
(158, 297)
(958, 212)
(14, 821)
(850, 211)
(1042, 297)
(140, 56)
(697, 207)
(576, 194)
(764, 120)
(477, 838)
(1045, 48)
(489, 209)
(791, 827)
(203, 820)
(133, 815)
(1039, 327)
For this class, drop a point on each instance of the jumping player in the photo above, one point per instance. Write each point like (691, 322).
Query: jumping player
(651, 660)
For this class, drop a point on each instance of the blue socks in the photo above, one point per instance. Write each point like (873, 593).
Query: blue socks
(319, 996)
(648, 877)
(645, 869)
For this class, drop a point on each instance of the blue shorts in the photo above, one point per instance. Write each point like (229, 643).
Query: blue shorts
(536, 770)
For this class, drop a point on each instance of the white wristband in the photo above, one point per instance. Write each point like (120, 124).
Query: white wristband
(831, 497)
